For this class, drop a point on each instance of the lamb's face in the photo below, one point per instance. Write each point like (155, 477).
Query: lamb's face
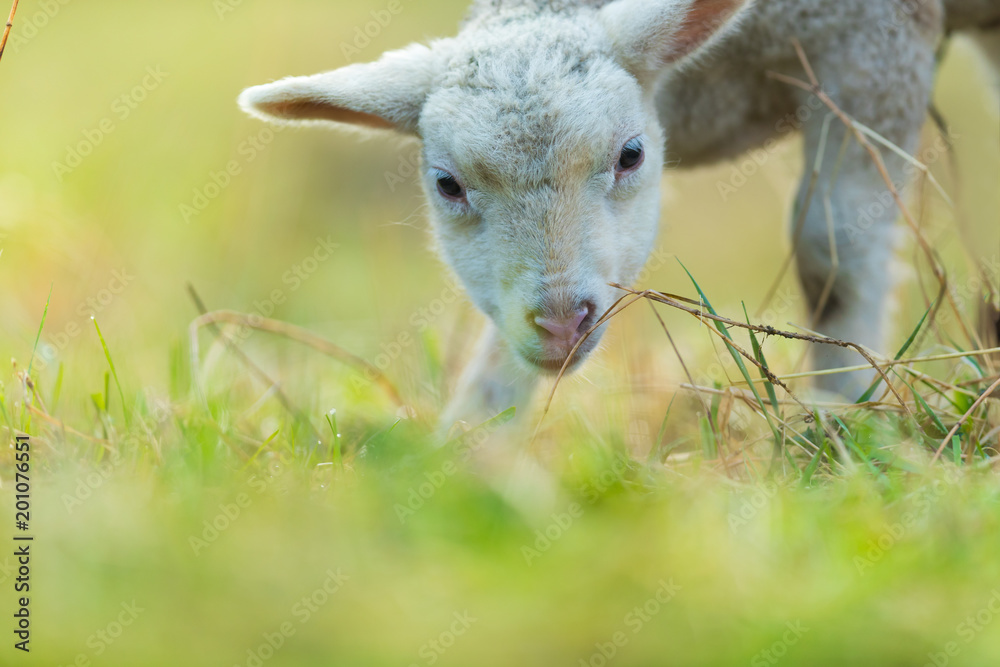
(542, 149)
(542, 166)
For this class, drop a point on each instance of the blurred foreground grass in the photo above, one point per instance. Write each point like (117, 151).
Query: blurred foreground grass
(214, 547)
(235, 525)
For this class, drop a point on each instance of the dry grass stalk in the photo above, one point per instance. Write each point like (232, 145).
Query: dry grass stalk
(297, 334)
(861, 134)
(864, 136)
(968, 415)
(6, 30)
(241, 355)
(989, 321)
(890, 363)
(676, 302)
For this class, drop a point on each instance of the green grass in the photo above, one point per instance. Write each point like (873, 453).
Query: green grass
(216, 514)
(746, 512)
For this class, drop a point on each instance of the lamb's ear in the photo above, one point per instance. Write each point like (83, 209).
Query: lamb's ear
(652, 34)
(386, 94)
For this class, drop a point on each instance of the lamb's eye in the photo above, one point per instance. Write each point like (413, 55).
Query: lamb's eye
(449, 187)
(632, 157)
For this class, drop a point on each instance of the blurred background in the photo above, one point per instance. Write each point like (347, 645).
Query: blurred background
(128, 172)
(119, 122)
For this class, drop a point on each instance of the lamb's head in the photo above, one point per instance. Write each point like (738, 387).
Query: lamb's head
(542, 151)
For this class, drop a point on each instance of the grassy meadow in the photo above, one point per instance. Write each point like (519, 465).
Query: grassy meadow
(253, 500)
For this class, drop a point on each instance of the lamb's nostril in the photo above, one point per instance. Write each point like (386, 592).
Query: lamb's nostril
(591, 317)
(568, 329)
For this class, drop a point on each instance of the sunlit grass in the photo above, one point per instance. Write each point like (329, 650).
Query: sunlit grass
(759, 529)
(217, 512)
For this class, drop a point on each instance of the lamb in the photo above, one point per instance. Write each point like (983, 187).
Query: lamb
(544, 125)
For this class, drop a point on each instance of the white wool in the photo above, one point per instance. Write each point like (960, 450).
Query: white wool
(529, 108)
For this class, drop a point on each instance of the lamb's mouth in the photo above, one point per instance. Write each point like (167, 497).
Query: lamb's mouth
(552, 366)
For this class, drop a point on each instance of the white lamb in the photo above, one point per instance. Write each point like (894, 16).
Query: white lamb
(544, 124)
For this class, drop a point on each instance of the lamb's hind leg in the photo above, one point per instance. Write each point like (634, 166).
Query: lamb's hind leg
(847, 236)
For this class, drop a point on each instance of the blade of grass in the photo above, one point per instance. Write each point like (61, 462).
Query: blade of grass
(969, 359)
(758, 353)
(38, 336)
(333, 452)
(658, 444)
(813, 464)
(380, 435)
(107, 391)
(872, 468)
(893, 461)
(716, 402)
(816, 432)
(489, 426)
(968, 415)
(941, 393)
(26, 416)
(263, 446)
(927, 409)
(867, 396)
(114, 373)
(737, 358)
(732, 351)
(709, 446)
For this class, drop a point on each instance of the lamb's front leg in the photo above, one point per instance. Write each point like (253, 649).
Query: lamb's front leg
(847, 282)
(847, 241)
(493, 381)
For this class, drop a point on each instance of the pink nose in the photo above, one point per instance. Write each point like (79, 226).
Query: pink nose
(566, 330)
